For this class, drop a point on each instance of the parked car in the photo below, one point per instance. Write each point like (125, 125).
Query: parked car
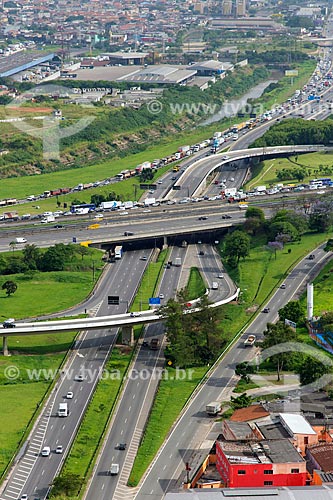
(266, 310)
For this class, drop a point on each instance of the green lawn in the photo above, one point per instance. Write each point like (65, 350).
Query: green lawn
(13, 422)
(322, 291)
(170, 399)
(243, 386)
(318, 165)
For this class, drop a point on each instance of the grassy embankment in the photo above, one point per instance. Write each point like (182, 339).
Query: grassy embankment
(257, 277)
(314, 164)
(12, 187)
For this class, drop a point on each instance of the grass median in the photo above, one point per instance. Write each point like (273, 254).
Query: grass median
(170, 399)
(196, 286)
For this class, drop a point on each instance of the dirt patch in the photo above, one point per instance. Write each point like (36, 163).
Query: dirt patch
(252, 309)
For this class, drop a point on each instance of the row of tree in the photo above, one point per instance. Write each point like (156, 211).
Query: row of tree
(55, 258)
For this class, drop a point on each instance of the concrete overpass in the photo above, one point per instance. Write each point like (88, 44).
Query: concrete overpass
(126, 321)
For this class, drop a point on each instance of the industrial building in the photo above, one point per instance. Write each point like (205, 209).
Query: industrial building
(23, 61)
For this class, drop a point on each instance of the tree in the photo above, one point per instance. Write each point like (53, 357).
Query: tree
(293, 311)
(67, 484)
(31, 256)
(329, 245)
(10, 287)
(255, 212)
(237, 245)
(311, 369)
(241, 401)
(275, 334)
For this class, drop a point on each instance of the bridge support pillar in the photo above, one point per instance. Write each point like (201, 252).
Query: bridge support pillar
(5, 346)
(127, 335)
(165, 242)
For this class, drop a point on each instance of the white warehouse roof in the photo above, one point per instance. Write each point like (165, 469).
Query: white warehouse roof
(296, 424)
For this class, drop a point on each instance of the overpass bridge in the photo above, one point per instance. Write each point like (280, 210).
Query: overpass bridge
(126, 321)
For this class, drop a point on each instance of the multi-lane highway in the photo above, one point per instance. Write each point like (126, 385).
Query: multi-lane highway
(32, 473)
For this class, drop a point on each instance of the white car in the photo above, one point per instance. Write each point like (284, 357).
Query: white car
(46, 451)
(161, 295)
(59, 449)
(24, 496)
(98, 216)
(123, 212)
(146, 211)
(69, 395)
(47, 214)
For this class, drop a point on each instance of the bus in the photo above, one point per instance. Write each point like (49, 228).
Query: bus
(83, 208)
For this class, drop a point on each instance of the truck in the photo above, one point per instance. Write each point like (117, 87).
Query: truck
(63, 410)
(47, 219)
(114, 469)
(213, 408)
(250, 340)
(183, 150)
(107, 205)
(177, 262)
(118, 252)
(154, 344)
(260, 189)
(20, 240)
(128, 204)
(149, 201)
(229, 192)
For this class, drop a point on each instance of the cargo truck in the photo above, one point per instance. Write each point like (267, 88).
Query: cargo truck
(63, 410)
(114, 469)
(47, 219)
(250, 340)
(213, 408)
(177, 262)
(154, 344)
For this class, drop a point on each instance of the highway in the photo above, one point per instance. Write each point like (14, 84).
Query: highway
(168, 469)
(134, 406)
(32, 474)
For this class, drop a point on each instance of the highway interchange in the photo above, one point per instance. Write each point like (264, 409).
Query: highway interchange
(32, 473)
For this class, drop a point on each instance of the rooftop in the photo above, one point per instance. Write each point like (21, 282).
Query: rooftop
(295, 493)
(252, 412)
(273, 430)
(296, 424)
(323, 455)
(263, 452)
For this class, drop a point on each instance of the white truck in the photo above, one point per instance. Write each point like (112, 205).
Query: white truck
(110, 204)
(63, 410)
(250, 340)
(47, 219)
(114, 469)
(213, 408)
(260, 189)
(177, 262)
(149, 201)
(20, 240)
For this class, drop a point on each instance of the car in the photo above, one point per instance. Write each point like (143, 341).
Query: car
(24, 496)
(134, 314)
(220, 276)
(202, 218)
(79, 377)
(266, 310)
(46, 451)
(128, 233)
(146, 211)
(161, 295)
(225, 157)
(226, 216)
(173, 178)
(283, 286)
(9, 323)
(123, 212)
(122, 446)
(311, 256)
(159, 182)
(98, 216)
(58, 226)
(151, 191)
(144, 257)
(59, 449)
(201, 252)
(69, 395)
